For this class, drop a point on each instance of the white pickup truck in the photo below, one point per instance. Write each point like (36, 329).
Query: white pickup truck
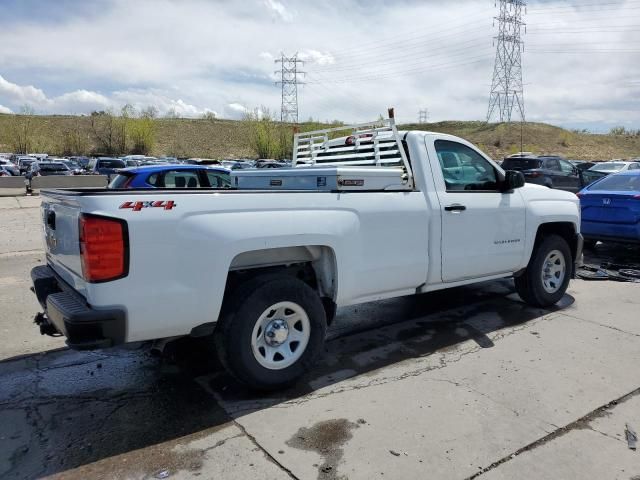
(374, 214)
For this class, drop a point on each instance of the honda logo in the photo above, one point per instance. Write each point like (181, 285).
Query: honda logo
(606, 201)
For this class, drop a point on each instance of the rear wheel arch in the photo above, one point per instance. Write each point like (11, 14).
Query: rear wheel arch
(315, 265)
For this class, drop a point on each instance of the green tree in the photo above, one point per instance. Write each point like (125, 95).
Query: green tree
(108, 132)
(22, 131)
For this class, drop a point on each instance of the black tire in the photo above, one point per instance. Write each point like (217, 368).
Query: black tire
(240, 313)
(529, 285)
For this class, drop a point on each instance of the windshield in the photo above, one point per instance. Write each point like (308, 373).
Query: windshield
(521, 163)
(110, 164)
(608, 167)
(619, 183)
(53, 167)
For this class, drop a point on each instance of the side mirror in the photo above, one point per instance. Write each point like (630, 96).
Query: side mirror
(512, 180)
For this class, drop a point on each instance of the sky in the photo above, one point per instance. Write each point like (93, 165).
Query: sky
(581, 59)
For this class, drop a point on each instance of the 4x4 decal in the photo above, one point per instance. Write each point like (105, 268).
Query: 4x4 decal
(137, 206)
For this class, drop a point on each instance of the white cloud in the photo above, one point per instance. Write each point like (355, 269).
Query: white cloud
(21, 94)
(359, 59)
(315, 56)
(85, 101)
(279, 10)
(266, 56)
(235, 110)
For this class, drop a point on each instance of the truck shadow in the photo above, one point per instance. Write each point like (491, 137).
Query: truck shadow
(363, 341)
(65, 409)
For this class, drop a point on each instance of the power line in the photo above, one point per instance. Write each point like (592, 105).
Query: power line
(586, 8)
(461, 49)
(289, 83)
(399, 41)
(397, 73)
(423, 116)
(391, 48)
(506, 86)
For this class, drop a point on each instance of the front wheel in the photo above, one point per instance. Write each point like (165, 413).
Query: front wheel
(546, 278)
(271, 331)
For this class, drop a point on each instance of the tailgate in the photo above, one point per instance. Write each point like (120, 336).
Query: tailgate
(60, 214)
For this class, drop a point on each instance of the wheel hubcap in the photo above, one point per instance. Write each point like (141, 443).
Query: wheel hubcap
(553, 271)
(276, 332)
(280, 336)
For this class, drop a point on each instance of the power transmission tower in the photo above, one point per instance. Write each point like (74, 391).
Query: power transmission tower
(506, 86)
(289, 82)
(423, 116)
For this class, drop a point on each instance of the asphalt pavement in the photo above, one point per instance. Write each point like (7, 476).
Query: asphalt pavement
(460, 384)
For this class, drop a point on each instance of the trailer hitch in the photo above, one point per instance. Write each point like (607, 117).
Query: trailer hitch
(46, 328)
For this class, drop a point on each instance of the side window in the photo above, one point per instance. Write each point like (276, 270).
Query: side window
(464, 169)
(566, 167)
(553, 164)
(175, 179)
(218, 179)
(181, 179)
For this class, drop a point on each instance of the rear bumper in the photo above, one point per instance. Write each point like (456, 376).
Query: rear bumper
(623, 233)
(86, 328)
(609, 238)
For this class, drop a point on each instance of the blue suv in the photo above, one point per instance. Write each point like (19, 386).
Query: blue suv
(172, 176)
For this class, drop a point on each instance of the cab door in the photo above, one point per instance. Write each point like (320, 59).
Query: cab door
(570, 175)
(483, 229)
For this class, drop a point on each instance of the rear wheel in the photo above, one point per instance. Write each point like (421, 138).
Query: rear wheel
(546, 278)
(271, 331)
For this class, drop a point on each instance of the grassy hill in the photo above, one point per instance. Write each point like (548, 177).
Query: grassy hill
(213, 138)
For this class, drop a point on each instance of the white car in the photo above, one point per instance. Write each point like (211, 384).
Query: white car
(374, 215)
(615, 166)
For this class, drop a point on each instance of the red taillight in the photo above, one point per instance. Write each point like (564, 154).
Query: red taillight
(636, 197)
(579, 194)
(103, 248)
(533, 174)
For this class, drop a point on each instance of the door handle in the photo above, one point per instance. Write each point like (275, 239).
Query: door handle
(456, 207)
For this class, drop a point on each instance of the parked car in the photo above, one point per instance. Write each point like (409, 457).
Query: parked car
(9, 167)
(24, 163)
(4, 172)
(237, 164)
(132, 162)
(43, 169)
(552, 172)
(171, 160)
(267, 163)
(611, 209)
(615, 166)
(132, 158)
(105, 166)
(73, 165)
(172, 176)
(582, 164)
(82, 161)
(135, 265)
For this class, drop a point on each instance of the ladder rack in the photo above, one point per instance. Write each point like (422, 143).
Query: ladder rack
(367, 144)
